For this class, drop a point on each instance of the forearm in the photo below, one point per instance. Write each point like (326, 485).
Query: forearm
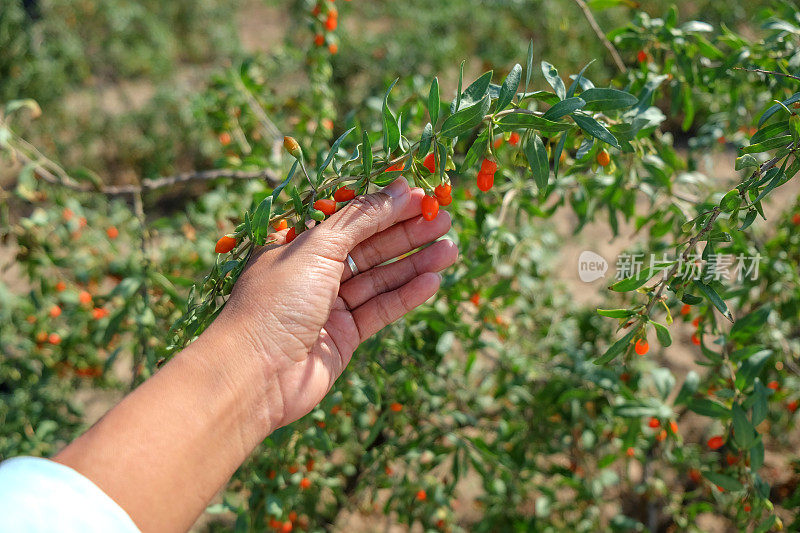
(168, 447)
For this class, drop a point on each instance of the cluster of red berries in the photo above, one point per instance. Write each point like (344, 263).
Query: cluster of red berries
(328, 16)
(485, 179)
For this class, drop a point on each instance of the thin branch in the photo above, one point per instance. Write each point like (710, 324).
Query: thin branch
(602, 36)
(762, 71)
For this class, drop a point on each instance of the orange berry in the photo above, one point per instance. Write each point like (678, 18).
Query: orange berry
(694, 475)
(225, 138)
(430, 207)
(60, 286)
(54, 338)
(332, 12)
(721, 139)
(430, 162)
(99, 313)
(326, 205)
(305, 483)
(796, 219)
(774, 385)
(41, 337)
(30, 319)
(333, 49)
(286, 527)
(662, 435)
(442, 190)
(498, 142)
(343, 194)
(488, 167)
(388, 471)
(696, 322)
(335, 409)
(747, 508)
(673, 426)
(274, 524)
(291, 145)
(271, 474)
(309, 467)
(686, 309)
(731, 459)
(225, 244)
(603, 159)
(321, 424)
(641, 347)
(112, 232)
(290, 235)
(55, 311)
(444, 201)
(475, 299)
(67, 214)
(485, 181)
(84, 297)
(327, 123)
(716, 442)
(292, 469)
(331, 23)
(695, 340)
(82, 222)
(641, 57)
(292, 516)
(319, 39)
(513, 139)
(792, 406)
(654, 423)
(281, 225)
(630, 452)
(396, 407)
(421, 495)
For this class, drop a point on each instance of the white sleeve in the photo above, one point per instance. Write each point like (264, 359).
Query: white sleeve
(39, 495)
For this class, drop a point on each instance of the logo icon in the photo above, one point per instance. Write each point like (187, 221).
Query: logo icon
(591, 266)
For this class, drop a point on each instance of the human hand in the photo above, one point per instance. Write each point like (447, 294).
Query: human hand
(300, 313)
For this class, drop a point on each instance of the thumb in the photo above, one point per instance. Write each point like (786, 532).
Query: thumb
(362, 218)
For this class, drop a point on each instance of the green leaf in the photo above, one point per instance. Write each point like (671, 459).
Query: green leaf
(466, 119)
(616, 349)
(726, 482)
(557, 154)
(760, 406)
(515, 121)
(366, 154)
(769, 144)
(391, 130)
(284, 183)
(615, 313)
(555, 81)
(779, 176)
(474, 93)
(577, 81)
(591, 127)
(529, 65)
(563, 108)
(751, 368)
(757, 455)
(509, 88)
(688, 389)
(475, 151)
(750, 324)
(261, 221)
(710, 408)
(537, 159)
(334, 150)
(634, 282)
(743, 430)
(662, 333)
(434, 101)
(599, 99)
(426, 139)
(777, 107)
(715, 299)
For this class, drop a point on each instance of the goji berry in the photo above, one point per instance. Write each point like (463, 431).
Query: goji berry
(421, 495)
(225, 244)
(333, 49)
(654, 423)
(316, 10)
(694, 475)
(662, 435)
(513, 139)
(430, 162)
(293, 147)
(331, 23)
(292, 469)
(498, 142)
(430, 207)
(388, 471)
(271, 474)
(603, 159)
(397, 167)
(286, 527)
(731, 459)
(60, 286)
(796, 219)
(82, 222)
(716, 442)
(396, 407)
(326, 205)
(54, 338)
(485, 181)
(442, 189)
(67, 214)
(488, 167)
(695, 340)
(55, 311)
(281, 225)
(686, 309)
(630, 452)
(305, 483)
(112, 232)
(343, 194)
(292, 516)
(444, 201)
(327, 123)
(641, 347)
(224, 138)
(335, 409)
(696, 322)
(290, 235)
(792, 406)
(319, 39)
(84, 297)
(475, 299)
(673, 426)
(641, 57)
(746, 508)
(309, 467)
(274, 524)
(99, 313)
(41, 337)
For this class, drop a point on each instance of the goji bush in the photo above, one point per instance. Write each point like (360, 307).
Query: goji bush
(503, 404)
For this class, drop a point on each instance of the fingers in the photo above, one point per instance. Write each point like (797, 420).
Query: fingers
(382, 310)
(363, 287)
(360, 219)
(397, 240)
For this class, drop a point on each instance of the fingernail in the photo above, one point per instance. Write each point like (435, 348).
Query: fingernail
(397, 188)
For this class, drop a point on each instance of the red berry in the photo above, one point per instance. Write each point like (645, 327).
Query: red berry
(488, 167)
(630, 452)
(67, 213)
(442, 189)
(716, 442)
(397, 167)
(305, 483)
(331, 23)
(396, 407)
(731, 459)
(54, 338)
(696, 322)
(513, 139)
(792, 406)
(290, 235)
(654, 423)
(421, 495)
(641, 57)
(326, 205)
(343, 194)
(430, 162)
(292, 516)
(60, 286)
(99, 312)
(333, 48)
(444, 201)
(796, 219)
(673, 426)
(112, 232)
(475, 299)
(695, 340)
(430, 207)
(84, 297)
(603, 159)
(286, 527)
(686, 309)
(662, 435)
(281, 225)
(485, 181)
(55, 311)
(225, 244)
(694, 475)
(641, 347)
(747, 508)
(319, 39)
(774, 385)
(316, 10)
(225, 138)
(326, 122)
